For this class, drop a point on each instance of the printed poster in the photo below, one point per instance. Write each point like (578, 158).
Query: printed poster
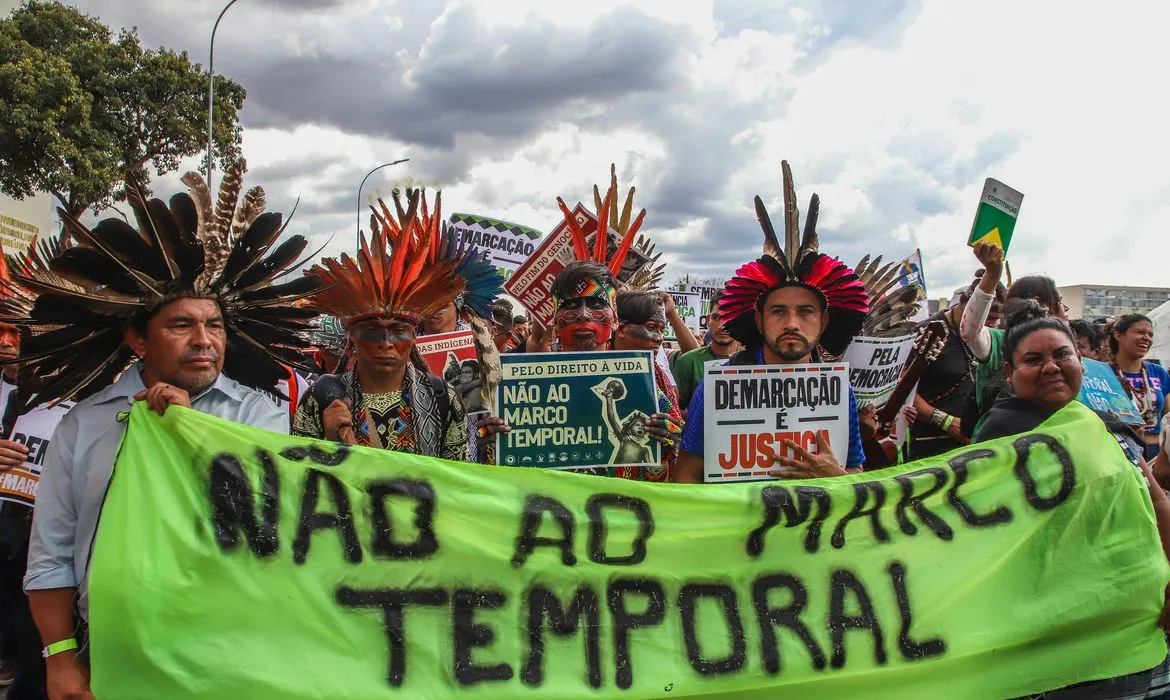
(749, 411)
(577, 409)
(1101, 390)
(875, 366)
(34, 430)
(452, 356)
(531, 284)
(508, 244)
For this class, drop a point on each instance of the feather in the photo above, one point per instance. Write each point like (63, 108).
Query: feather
(201, 197)
(580, 244)
(810, 242)
(619, 257)
(601, 235)
(771, 242)
(791, 215)
(84, 236)
(252, 207)
(248, 249)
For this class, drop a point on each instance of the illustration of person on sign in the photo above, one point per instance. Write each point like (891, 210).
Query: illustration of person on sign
(628, 435)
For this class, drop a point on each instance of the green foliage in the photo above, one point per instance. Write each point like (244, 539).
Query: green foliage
(81, 107)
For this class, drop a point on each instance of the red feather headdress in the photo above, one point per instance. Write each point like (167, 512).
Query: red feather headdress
(833, 281)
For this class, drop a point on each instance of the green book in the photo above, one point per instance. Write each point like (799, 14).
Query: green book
(995, 219)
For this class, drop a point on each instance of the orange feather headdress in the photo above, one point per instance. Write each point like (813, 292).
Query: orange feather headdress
(401, 273)
(607, 218)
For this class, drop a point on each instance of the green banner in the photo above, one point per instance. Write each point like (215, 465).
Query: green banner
(236, 563)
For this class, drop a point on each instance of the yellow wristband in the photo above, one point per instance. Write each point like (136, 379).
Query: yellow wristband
(58, 647)
(946, 424)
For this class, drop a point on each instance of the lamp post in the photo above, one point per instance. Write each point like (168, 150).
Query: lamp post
(358, 233)
(211, 90)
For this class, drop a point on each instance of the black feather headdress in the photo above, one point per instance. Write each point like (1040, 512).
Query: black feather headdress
(227, 252)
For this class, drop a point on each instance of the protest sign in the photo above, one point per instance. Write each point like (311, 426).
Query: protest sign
(453, 357)
(1101, 390)
(995, 219)
(688, 306)
(508, 244)
(875, 365)
(577, 409)
(34, 430)
(748, 411)
(531, 284)
(304, 570)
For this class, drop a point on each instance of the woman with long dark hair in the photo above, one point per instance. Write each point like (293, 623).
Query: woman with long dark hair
(1147, 382)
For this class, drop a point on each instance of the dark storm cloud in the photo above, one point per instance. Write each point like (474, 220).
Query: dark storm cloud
(503, 84)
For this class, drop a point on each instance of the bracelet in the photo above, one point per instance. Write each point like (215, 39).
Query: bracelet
(946, 425)
(937, 417)
(58, 647)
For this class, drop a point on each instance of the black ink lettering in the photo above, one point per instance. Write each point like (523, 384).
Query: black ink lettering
(469, 634)
(311, 520)
(779, 505)
(911, 650)
(543, 603)
(625, 621)
(959, 465)
(1068, 474)
(316, 455)
(597, 529)
(688, 599)
(233, 505)
(770, 618)
(423, 495)
(913, 502)
(393, 602)
(535, 508)
(840, 623)
(862, 508)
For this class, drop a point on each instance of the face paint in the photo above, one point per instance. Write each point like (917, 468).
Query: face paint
(647, 334)
(585, 321)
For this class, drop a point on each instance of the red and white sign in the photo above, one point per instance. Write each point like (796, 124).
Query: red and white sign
(531, 284)
(749, 411)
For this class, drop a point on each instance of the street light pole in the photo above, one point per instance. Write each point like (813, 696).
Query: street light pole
(211, 89)
(358, 233)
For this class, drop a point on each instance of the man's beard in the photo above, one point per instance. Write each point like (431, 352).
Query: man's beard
(783, 348)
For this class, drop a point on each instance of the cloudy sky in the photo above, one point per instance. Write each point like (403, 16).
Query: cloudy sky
(894, 111)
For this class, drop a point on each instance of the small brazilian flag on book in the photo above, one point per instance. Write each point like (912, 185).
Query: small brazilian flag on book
(996, 217)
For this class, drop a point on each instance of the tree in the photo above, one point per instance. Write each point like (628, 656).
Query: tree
(81, 108)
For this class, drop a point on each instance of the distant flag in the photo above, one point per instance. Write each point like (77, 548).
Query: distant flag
(912, 273)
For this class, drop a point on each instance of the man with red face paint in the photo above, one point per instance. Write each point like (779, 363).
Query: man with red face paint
(386, 396)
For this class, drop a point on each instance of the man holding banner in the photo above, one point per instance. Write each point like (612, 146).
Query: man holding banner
(180, 309)
(781, 313)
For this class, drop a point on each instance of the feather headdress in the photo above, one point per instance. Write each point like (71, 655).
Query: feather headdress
(400, 273)
(798, 263)
(893, 298)
(601, 250)
(187, 249)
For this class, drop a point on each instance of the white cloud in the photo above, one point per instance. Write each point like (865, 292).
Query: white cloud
(895, 125)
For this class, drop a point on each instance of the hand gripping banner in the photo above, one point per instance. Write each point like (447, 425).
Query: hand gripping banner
(232, 562)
